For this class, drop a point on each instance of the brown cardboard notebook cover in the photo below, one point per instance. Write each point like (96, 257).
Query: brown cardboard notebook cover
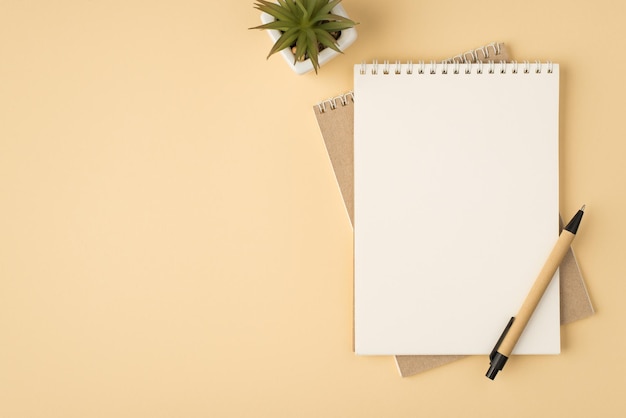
(336, 121)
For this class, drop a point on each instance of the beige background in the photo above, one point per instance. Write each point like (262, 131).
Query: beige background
(173, 243)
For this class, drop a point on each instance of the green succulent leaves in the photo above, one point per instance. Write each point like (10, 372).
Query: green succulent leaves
(306, 24)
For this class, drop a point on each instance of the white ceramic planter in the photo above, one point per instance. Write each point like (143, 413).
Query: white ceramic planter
(347, 38)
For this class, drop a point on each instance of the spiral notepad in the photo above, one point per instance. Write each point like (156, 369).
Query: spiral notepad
(455, 204)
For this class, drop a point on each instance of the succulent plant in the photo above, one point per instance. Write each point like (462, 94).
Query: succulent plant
(307, 26)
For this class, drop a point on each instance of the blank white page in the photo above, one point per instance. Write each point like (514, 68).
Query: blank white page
(456, 206)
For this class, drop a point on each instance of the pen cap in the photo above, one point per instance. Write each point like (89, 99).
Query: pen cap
(497, 363)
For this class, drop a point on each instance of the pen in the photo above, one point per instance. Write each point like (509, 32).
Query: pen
(503, 348)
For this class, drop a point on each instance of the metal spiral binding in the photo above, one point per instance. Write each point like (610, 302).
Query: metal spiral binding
(479, 70)
(334, 102)
(420, 70)
(491, 50)
(467, 63)
(398, 67)
(456, 67)
(385, 67)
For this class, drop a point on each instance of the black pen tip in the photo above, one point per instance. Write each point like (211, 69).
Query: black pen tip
(572, 226)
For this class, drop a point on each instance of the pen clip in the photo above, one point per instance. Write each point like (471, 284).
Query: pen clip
(506, 330)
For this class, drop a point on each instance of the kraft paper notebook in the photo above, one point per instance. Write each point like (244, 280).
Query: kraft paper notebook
(335, 120)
